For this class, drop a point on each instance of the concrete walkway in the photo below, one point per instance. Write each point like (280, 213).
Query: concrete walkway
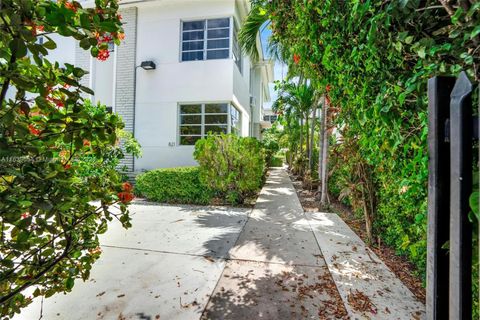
(186, 262)
(276, 269)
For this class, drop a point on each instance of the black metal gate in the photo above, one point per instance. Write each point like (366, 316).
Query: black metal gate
(452, 127)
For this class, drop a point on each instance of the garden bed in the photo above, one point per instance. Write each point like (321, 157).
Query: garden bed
(402, 268)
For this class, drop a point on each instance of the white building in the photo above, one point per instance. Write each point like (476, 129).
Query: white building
(201, 82)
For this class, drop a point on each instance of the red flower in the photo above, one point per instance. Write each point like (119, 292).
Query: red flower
(70, 6)
(40, 28)
(127, 187)
(67, 166)
(119, 17)
(25, 215)
(103, 55)
(296, 58)
(86, 143)
(328, 88)
(121, 36)
(34, 130)
(107, 38)
(125, 197)
(59, 103)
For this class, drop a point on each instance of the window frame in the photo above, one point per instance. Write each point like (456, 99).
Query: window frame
(236, 29)
(202, 125)
(232, 23)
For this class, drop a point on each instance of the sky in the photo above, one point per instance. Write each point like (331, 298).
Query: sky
(279, 70)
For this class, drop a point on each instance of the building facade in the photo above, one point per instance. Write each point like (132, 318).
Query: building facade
(201, 82)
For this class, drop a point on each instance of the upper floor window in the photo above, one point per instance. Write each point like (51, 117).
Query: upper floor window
(206, 39)
(237, 53)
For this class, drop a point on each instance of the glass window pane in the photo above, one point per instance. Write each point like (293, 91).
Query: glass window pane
(218, 44)
(189, 140)
(217, 54)
(192, 55)
(216, 119)
(194, 25)
(193, 35)
(216, 129)
(218, 33)
(194, 45)
(191, 130)
(216, 108)
(191, 119)
(191, 108)
(218, 23)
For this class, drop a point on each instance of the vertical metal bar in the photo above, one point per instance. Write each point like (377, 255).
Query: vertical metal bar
(439, 89)
(460, 279)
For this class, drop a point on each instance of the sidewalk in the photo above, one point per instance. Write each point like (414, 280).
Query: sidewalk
(276, 269)
(273, 262)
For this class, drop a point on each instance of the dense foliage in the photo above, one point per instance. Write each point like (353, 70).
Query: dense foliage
(374, 58)
(271, 147)
(48, 223)
(232, 166)
(173, 185)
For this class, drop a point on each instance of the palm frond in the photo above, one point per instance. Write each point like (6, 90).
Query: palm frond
(248, 33)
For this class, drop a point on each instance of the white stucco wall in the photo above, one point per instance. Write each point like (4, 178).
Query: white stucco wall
(153, 29)
(160, 91)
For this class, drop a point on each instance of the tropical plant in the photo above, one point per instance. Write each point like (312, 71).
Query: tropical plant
(49, 223)
(230, 165)
(377, 57)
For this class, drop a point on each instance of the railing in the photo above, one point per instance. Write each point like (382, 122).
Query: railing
(452, 127)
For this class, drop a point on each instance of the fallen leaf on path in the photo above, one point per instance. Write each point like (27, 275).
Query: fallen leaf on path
(209, 258)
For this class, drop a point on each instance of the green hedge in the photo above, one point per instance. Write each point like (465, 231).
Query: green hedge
(173, 185)
(232, 166)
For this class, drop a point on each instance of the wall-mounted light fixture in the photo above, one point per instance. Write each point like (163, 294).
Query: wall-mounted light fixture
(148, 65)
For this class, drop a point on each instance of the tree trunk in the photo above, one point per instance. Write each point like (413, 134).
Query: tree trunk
(368, 218)
(324, 181)
(307, 136)
(312, 137)
(320, 146)
(301, 136)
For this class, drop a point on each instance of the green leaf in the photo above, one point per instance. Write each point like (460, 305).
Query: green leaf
(18, 47)
(69, 283)
(50, 44)
(475, 32)
(473, 200)
(421, 52)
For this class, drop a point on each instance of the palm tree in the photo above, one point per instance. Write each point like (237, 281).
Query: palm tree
(247, 37)
(295, 102)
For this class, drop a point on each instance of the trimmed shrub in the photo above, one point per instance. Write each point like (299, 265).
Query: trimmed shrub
(173, 185)
(232, 166)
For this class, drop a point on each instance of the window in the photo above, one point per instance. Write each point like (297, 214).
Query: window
(236, 52)
(206, 39)
(270, 118)
(198, 120)
(235, 121)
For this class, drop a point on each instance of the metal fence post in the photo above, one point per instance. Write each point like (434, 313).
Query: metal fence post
(461, 130)
(439, 89)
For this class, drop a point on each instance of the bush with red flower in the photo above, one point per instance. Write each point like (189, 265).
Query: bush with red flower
(58, 153)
